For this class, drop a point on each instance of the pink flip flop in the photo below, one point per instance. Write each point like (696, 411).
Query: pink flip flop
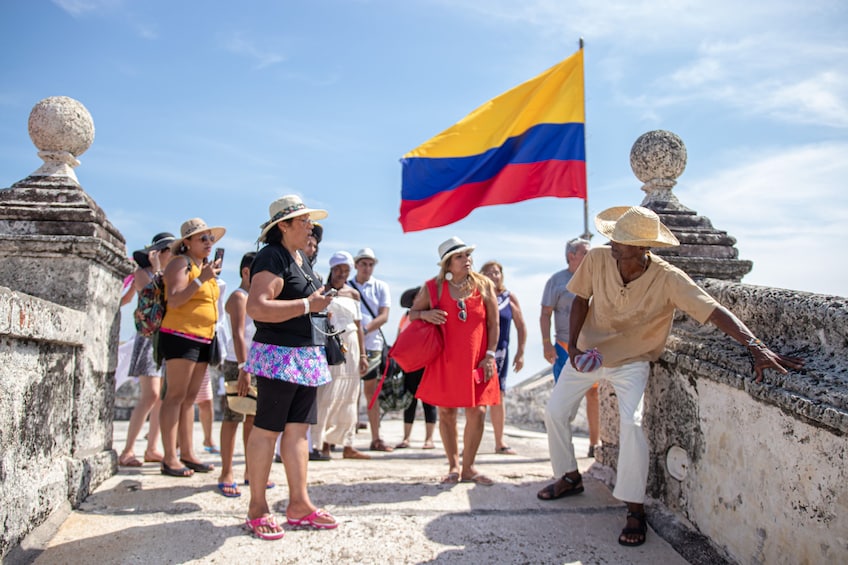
(268, 522)
(311, 520)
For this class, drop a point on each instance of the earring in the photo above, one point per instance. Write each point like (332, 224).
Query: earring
(448, 276)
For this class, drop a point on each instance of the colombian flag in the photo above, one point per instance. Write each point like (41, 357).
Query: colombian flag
(527, 143)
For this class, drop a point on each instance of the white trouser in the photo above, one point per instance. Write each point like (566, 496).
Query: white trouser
(629, 382)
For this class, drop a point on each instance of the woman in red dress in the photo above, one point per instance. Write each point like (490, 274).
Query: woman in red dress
(466, 307)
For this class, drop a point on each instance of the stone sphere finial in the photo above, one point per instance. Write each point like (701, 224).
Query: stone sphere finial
(658, 158)
(62, 129)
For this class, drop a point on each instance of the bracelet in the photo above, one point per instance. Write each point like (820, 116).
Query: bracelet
(546, 340)
(241, 365)
(198, 282)
(363, 356)
(755, 344)
(490, 353)
(305, 306)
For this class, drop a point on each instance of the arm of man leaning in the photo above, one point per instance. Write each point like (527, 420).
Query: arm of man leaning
(764, 358)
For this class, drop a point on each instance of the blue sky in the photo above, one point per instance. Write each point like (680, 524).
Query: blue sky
(214, 109)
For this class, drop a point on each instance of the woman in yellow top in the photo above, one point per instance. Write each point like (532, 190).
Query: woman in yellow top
(185, 338)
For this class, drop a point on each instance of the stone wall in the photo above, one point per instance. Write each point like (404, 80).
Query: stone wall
(763, 465)
(62, 268)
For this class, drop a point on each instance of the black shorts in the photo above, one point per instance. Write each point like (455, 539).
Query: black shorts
(173, 346)
(279, 403)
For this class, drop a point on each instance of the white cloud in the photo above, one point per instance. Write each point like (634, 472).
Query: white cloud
(79, 7)
(777, 59)
(786, 208)
(239, 45)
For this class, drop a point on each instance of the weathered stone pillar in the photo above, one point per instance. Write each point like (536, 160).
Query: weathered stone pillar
(62, 268)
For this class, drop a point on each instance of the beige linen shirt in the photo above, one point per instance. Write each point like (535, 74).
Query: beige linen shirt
(631, 322)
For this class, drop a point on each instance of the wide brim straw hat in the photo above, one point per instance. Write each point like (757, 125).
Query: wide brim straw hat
(451, 247)
(195, 226)
(634, 225)
(159, 242)
(287, 207)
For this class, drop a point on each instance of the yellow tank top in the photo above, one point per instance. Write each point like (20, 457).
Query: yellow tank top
(199, 314)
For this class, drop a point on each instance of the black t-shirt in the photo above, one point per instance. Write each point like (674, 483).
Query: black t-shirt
(296, 332)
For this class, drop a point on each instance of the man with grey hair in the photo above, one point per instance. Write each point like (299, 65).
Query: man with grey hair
(556, 300)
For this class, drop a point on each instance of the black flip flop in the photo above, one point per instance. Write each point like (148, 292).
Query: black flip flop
(198, 467)
(182, 472)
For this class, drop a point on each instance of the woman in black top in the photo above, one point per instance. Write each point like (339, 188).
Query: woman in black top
(288, 363)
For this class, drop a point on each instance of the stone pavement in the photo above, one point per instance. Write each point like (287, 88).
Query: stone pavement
(391, 509)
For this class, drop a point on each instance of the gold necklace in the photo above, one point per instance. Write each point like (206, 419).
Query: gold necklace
(462, 285)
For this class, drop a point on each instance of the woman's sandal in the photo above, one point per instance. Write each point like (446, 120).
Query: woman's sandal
(550, 493)
(311, 520)
(267, 522)
(176, 472)
(198, 467)
(130, 461)
(641, 530)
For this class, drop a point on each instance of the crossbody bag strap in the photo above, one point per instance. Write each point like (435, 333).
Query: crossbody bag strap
(368, 306)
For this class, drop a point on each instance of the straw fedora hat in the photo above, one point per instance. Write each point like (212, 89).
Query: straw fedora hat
(634, 225)
(195, 226)
(451, 247)
(365, 253)
(289, 206)
(159, 242)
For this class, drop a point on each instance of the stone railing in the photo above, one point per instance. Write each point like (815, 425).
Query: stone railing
(752, 465)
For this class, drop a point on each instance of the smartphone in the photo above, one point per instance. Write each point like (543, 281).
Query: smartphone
(219, 254)
(331, 292)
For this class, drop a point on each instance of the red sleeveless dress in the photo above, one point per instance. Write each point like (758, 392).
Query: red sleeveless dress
(449, 380)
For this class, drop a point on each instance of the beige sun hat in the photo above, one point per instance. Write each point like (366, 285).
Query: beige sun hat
(451, 247)
(194, 226)
(289, 206)
(634, 225)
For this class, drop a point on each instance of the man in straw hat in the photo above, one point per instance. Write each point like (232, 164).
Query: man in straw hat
(625, 325)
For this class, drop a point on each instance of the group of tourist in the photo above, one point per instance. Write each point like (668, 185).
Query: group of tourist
(612, 310)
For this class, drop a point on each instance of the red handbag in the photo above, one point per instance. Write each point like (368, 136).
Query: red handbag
(415, 347)
(420, 342)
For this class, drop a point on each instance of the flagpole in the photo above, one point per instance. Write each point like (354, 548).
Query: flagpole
(586, 234)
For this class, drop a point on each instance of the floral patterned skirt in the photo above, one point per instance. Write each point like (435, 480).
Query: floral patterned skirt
(305, 366)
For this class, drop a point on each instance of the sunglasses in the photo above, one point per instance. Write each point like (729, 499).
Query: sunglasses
(207, 238)
(463, 315)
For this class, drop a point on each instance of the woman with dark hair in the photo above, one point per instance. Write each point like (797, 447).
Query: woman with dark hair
(288, 363)
(185, 339)
(150, 260)
(462, 375)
